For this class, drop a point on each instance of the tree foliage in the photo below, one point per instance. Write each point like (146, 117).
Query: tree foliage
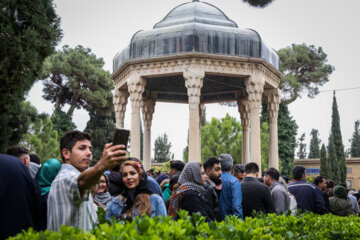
(325, 168)
(76, 77)
(29, 31)
(337, 139)
(335, 168)
(42, 139)
(355, 141)
(302, 147)
(305, 70)
(162, 149)
(258, 3)
(222, 136)
(314, 144)
(62, 122)
(101, 128)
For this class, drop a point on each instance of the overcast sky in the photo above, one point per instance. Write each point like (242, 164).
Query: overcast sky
(107, 26)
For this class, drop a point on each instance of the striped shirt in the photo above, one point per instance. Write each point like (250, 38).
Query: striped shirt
(65, 205)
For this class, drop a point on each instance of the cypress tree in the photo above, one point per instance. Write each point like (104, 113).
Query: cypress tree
(335, 170)
(314, 144)
(337, 138)
(355, 141)
(302, 147)
(325, 168)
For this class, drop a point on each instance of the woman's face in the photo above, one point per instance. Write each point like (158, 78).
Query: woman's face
(203, 175)
(131, 177)
(102, 185)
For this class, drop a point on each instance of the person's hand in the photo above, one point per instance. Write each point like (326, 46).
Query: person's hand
(112, 156)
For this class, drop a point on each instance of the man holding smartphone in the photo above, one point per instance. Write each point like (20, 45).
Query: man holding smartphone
(70, 202)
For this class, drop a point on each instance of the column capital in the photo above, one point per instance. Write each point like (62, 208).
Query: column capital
(148, 108)
(273, 98)
(255, 88)
(244, 110)
(120, 100)
(194, 81)
(136, 87)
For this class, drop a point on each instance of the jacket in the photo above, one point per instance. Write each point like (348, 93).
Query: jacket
(340, 207)
(117, 204)
(231, 197)
(212, 198)
(193, 201)
(280, 198)
(256, 196)
(308, 196)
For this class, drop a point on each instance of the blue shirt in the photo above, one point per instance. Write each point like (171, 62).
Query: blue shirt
(231, 196)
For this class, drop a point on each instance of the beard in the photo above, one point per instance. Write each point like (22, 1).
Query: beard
(216, 180)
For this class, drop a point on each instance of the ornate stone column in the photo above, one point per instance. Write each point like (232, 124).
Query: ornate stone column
(244, 110)
(194, 82)
(148, 107)
(255, 87)
(273, 101)
(120, 100)
(136, 87)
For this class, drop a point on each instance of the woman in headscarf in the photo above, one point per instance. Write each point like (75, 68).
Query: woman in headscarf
(340, 204)
(102, 196)
(45, 176)
(136, 199)
(189, 195)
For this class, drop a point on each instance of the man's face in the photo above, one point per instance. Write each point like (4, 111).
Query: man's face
(215, 172)
(25, 158)
(80, 156)
(240, 176)
(267, 180)
(172, 172)
(322, 185)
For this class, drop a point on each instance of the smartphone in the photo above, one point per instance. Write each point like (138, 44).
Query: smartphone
(121, 136)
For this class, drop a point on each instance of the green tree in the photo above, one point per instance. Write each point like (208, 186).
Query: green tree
(42, 139)
(355, 141)
(335, 170)
(325, 168)
(162, 149)
(302, 147)
(287, 130)
(305, 70)
(62, 122)
(222, 136)
(101, 127)
(264, 138)
(29, 32)
(76, 77)
(258, 3)
(337, 138)
(314, 144)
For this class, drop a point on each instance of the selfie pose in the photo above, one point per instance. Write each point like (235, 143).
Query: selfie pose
(136, 199)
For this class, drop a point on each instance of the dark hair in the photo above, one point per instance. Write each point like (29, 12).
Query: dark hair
(17, 151)
(298, 171)
(330, 184)
(239, 168)
(70, 138)
(251, 167)
(173, 180)
(318, 180)
(357, 195)
(210, 162)
(34, 158)
(177, 165)
(286, 179)
(273, 173)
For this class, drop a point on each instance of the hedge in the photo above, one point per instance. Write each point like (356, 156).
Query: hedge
(305, 226)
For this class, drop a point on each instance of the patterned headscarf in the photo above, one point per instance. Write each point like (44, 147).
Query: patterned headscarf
(190, 179)
(47, 173)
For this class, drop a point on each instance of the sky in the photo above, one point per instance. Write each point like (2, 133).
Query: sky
(106, 27)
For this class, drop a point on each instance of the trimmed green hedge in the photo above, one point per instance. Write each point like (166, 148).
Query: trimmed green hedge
(305, 226)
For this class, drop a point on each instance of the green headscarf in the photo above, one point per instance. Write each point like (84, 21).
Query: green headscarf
(340, 192)
(47, 173)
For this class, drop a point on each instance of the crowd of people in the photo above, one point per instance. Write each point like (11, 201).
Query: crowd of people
(69, 192)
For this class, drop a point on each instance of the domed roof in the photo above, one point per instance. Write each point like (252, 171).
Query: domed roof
(196, 11)
(197, 27)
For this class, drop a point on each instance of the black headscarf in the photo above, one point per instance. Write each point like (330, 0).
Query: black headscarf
(131, 194)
